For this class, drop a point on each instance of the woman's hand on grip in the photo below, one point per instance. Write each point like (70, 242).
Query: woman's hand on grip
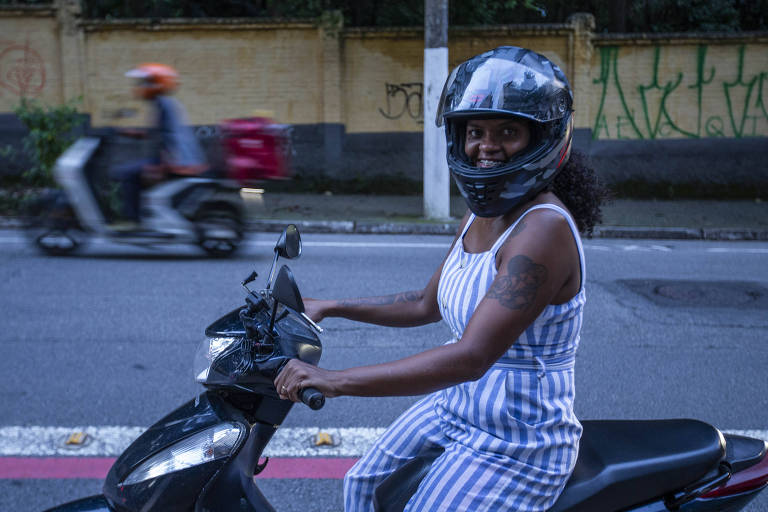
(297, 375)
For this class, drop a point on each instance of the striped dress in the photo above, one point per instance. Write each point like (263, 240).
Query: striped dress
(511, 437)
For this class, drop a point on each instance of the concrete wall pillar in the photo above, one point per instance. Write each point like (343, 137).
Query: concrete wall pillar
(437, 191)
(580, 62)
(331, 47)
(71, 64)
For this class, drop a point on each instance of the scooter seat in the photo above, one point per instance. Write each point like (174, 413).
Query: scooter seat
(625, 463)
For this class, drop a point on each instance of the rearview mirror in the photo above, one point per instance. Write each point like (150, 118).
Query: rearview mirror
(289, 244)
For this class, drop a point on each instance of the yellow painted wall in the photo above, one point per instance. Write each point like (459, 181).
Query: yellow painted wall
(371, 80)
(383, 75)
(224, 73)
(29, 59)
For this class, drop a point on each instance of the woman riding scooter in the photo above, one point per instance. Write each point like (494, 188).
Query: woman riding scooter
(511, 288)
(175, 150)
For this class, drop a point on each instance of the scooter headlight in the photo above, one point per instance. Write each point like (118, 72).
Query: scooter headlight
(208, 351)
(207, 445)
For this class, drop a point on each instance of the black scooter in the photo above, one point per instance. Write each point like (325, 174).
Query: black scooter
(204, 455)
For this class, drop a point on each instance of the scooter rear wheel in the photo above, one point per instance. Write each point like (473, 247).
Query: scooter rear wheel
(220, 233)
(58, 242)
(55, 230)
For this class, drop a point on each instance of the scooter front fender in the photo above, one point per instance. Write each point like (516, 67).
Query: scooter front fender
(96, 503)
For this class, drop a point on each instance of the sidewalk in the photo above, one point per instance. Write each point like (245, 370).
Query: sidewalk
(624, 218)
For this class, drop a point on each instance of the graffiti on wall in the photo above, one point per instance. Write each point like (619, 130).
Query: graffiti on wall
(735, 106)
(22, 70)
(404, 99)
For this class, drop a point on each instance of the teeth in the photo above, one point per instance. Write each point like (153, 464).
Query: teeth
(488, 163)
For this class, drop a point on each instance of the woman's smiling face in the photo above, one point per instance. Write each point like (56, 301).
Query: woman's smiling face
(492, 142)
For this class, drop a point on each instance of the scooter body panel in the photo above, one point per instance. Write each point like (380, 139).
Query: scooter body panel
(725, 504)
(96, 503)
(223, 484)
(69, 173)
(178, 490)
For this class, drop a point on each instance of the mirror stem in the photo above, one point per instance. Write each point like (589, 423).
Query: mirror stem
(274, 314)
(272, 271)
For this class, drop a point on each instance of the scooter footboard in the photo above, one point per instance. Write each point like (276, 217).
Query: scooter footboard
(96, 503)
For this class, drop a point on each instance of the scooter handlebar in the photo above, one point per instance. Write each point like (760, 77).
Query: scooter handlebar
(313, 398)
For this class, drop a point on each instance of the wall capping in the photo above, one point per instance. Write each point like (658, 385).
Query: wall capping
(646, 38)
(21, 10)
(190, 24)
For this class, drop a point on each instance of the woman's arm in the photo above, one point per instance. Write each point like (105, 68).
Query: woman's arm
(405, 309)
(533, 270)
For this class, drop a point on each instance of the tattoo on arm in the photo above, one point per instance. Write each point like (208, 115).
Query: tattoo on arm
(413, 296)
(517, 289)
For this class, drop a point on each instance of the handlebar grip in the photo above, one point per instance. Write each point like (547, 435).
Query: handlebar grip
(313, 398)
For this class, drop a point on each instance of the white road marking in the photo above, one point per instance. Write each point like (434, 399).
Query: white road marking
(748, 250)
(110, 441)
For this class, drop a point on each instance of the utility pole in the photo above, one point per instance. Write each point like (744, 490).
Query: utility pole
(436, 178)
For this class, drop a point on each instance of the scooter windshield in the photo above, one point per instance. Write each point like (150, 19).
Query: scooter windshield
(216, 360)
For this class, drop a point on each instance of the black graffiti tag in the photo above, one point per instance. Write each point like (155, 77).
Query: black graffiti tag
(404, 98)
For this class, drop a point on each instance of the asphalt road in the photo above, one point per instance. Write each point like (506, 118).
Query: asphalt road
(672, 329)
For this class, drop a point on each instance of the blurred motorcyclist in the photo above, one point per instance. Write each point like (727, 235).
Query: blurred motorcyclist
(175, 150)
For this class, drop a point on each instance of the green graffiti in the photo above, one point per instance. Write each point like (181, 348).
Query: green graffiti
(654, 125)
(654, 119)
(737, 124)
(760, 101)
(600, 125)
(715, 127)
(609, 57)
(701, 58)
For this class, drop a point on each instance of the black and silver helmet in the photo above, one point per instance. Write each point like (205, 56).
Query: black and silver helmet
(507, 81)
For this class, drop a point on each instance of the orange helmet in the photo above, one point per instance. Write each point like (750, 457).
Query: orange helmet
(154, 79)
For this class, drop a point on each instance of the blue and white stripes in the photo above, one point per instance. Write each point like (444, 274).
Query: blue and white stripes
(511, 437)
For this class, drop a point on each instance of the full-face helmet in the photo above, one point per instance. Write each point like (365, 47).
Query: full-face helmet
(516, 82)
(153, 79)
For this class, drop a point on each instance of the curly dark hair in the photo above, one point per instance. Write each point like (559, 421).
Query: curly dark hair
(580, 190)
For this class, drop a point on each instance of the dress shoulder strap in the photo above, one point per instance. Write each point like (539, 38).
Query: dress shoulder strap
(466, 226)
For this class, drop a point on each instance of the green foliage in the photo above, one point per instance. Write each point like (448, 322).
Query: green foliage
(634, 15)
(50, 133)
(25, 2)
(686, 15)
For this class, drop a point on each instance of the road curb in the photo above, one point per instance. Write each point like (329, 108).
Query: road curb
(450, 228)
(11, 223)
(647, 232)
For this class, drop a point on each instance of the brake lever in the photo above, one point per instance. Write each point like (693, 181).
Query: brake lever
(313, 324)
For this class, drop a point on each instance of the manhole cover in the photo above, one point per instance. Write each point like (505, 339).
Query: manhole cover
(710, 294)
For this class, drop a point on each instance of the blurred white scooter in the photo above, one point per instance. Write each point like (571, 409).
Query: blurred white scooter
(206, 211)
